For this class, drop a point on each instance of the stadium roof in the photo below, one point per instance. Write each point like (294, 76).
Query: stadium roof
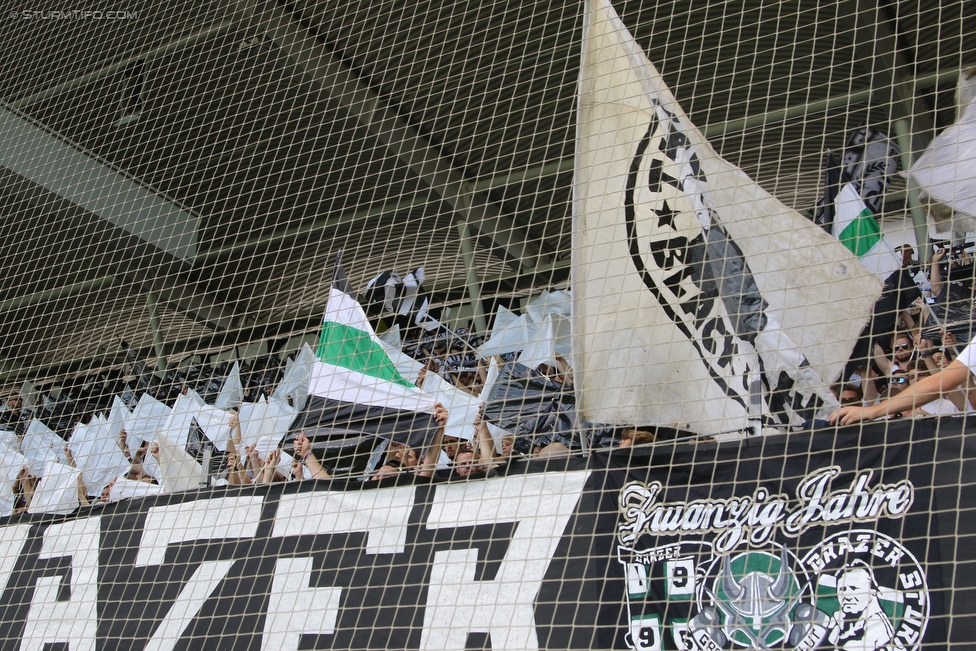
(263, 137)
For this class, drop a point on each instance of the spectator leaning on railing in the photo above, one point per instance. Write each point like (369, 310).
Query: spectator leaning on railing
(922, 392)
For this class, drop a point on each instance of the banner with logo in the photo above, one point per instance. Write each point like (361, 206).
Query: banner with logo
(857, 539)
(810, 542)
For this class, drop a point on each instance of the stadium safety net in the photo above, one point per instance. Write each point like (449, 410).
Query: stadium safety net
(487, 325)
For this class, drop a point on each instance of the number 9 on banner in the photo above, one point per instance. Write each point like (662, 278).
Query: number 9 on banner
(679, 578)
(645, 633)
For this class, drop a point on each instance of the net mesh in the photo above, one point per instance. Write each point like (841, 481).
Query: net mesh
(596, 279)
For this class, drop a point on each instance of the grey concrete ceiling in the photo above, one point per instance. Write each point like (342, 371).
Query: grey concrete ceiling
(296, 129)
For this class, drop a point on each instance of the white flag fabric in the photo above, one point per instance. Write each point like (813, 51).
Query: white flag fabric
(57, 492)
(945, 171)
(462, 407)
(180, 472)
(405, 365)
(177, 426)
(129, 488)
(41, 446)
(11, 464)
(680, 261)
(294, 383)
(148, 416)
(97, 455)
(117, 416)
(858, 230)
(264, 418)
(215, 424)
(232, 392)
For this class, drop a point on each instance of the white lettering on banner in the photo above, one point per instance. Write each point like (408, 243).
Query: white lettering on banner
(294, 608)
(188, 603)
(381, 513)
(216, 519)
(756, 517)
(72, 622)
(12, 541)
(213, 520)
(504, 607)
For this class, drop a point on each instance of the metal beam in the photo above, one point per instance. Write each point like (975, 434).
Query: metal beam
(913, 128)
(299, 43)
(199, 307)
(157, 332)
(26, 101)
(471, 279)
(336, 221)
(920, 222)
(69, 170)
(56, 293)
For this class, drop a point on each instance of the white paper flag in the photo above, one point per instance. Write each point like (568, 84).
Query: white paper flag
(180, 471)
(294, 383)
(215, 424)
(264, 418)
(232, 392)
(151, 468)
(117, 417)
(177, 426)
(148, 416)
(510, 336)
(462, 407)
(57, 493)
(97, 455)
(11, 464)
(9, 441)
(42, 446)
(542, 348)
(130, 488)
(266, 444)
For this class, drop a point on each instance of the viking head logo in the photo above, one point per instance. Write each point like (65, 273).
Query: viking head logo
(755, 593)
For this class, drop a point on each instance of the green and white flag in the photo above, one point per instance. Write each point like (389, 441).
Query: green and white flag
(858, 230)
(355, 389)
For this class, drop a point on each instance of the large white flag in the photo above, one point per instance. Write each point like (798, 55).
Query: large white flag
(946, 172)
(686, 273)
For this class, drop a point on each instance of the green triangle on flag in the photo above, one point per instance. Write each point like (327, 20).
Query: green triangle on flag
(347, 340)
(861, 234)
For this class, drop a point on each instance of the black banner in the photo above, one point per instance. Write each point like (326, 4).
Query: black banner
(849, 539)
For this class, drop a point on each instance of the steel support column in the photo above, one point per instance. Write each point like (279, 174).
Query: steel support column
(472, 281)
(157, 332)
